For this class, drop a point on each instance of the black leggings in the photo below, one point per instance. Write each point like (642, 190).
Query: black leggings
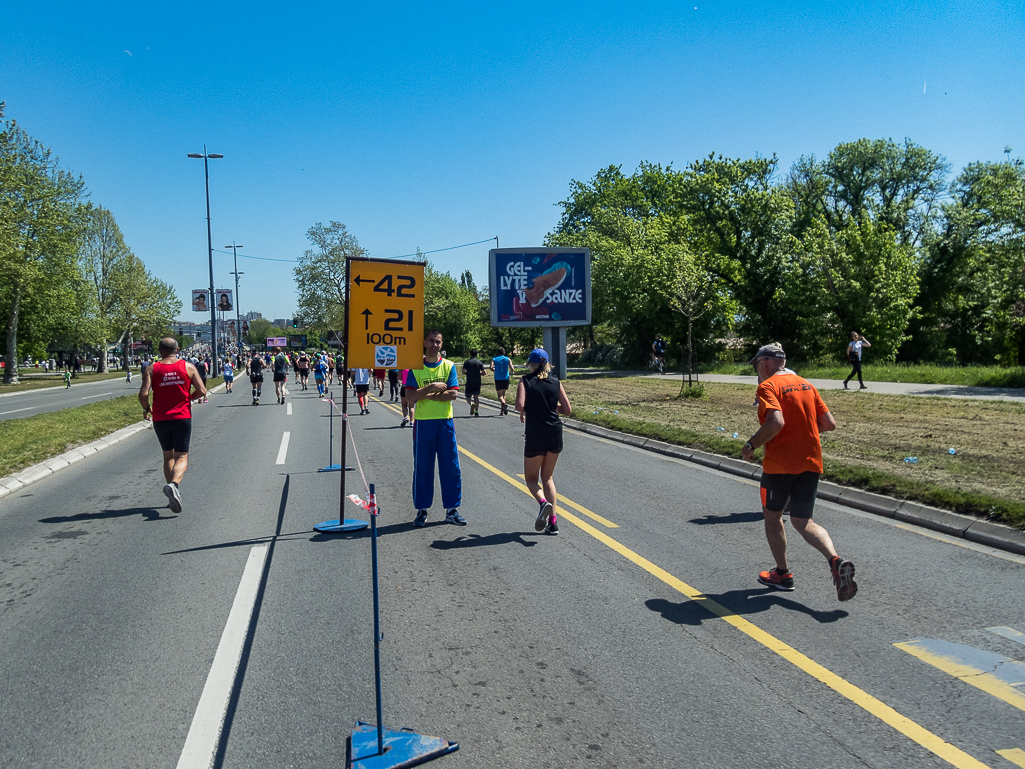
(855, 369)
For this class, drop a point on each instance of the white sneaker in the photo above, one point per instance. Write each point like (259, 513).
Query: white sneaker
(174, 498)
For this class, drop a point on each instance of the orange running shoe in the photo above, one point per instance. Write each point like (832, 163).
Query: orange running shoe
(544, 283)
(773, 578)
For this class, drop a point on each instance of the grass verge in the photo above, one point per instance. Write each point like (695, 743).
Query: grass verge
(39, 381)
(968, 376)
(875, 434)
(30, 440)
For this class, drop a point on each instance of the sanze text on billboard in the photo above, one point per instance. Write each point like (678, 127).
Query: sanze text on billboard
(533, 287)
(385, 314)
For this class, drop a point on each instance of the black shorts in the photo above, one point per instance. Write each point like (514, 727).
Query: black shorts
(256, 378)
(174, 434)
(800, 489)
(501, 384)
(281, 377)
(471, 389)
(539, 445)
(362, 389)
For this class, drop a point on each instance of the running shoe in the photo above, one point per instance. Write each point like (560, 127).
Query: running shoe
(454, 517)
(255, 402)
(174, 498)
(421, 518)
(543, 514)
(404, 422)
(843, 579)
(553, 529)
(773, 578)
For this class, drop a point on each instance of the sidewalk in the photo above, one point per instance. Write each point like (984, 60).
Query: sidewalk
(1013, 394)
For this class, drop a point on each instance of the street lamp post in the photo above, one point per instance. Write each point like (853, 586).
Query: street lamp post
(210, 254)
(238, 307)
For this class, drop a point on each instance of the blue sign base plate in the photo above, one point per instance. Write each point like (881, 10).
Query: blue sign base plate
(335, 526)
(402, 748)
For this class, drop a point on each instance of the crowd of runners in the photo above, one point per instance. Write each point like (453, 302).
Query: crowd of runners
(790, 412)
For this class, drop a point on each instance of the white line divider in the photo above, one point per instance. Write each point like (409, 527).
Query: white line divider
(284, 448)
(288, 408)
(208, 722)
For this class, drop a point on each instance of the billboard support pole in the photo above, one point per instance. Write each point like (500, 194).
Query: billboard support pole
(554, 338)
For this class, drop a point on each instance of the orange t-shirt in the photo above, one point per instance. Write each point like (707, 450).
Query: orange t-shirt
(797, 448)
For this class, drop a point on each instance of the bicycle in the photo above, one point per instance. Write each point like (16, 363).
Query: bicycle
(655, 363)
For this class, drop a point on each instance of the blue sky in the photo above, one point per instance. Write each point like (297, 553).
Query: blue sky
(436, 124)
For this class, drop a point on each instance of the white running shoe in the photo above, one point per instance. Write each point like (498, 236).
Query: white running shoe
(174, 498)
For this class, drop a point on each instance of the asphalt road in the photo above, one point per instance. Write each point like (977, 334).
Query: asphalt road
(27, 403)
(638, 637)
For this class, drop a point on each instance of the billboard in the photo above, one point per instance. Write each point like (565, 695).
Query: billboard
(297, 341)
(533, 287)
(199, 300)
(224, 302)
(277, 341)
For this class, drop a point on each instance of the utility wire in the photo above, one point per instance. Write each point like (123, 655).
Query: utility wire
(402, 256)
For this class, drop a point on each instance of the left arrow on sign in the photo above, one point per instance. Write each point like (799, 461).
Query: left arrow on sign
(359, 280)
(366, 319)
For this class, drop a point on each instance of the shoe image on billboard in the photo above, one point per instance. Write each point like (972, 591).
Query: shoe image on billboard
(545, 283)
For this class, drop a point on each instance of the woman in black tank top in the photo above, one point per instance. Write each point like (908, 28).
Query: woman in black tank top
(540, 399)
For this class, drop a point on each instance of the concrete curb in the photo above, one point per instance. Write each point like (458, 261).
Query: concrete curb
(48, 467)
(976, 530)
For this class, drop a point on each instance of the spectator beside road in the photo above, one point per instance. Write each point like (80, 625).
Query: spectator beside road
(854, 358)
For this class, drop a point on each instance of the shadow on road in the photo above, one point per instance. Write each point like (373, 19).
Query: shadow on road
(738, 602)
(477, 540)
(712, 518)
(149, 513)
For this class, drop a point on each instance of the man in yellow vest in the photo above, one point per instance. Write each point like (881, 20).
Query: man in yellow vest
(433, 388)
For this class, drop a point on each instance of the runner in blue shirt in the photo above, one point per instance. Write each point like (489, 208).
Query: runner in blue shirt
(503, 368)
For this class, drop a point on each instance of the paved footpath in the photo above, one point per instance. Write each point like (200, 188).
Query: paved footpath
(1016, 394)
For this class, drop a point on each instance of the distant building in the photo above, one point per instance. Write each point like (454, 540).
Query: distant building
(282, 322)
(252, 316)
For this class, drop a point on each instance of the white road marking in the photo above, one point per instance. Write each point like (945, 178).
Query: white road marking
(16, 410)
(288, 408)
(284, 449)
(95, 396)
(208, 721)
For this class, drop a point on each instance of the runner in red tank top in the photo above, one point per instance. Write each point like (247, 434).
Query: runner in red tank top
(175, 384)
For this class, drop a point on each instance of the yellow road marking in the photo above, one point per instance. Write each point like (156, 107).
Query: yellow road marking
(931, 742)
(1015, 755)
(568, 502)
(961, 670)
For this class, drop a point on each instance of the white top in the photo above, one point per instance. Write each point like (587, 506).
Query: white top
(855, 347)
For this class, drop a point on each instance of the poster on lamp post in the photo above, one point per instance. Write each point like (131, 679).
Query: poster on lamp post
(224, 303)
(538, 287)
(200, 300)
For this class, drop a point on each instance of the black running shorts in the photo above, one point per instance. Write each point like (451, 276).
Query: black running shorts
(174, 434)
(800, 489)
(471, 389)
(501, 384)
(256, 379)
(281, 377)
(360, 389)
(539, 445)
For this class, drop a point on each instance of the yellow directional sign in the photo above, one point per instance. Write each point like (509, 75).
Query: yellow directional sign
(386, 314)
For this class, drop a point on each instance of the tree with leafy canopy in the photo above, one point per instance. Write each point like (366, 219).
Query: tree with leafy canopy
(320, 275)
(146, 306)
(39, 229)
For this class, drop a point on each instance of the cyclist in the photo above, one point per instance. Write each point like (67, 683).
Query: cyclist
(658, 353)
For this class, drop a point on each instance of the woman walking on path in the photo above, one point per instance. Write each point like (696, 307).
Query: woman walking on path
(540, 398)
(854, 358)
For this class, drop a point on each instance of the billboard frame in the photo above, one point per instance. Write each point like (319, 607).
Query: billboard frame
(493, 281)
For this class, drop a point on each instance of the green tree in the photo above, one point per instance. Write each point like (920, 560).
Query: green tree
(320, 275)
(105, 263)
(146, 306)
(39, 228)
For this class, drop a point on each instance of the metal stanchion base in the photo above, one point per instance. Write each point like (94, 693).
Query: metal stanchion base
(335, 525)
(401, 748)
(335, 469)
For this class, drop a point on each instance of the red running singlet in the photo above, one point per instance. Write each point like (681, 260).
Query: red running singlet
(171, 387)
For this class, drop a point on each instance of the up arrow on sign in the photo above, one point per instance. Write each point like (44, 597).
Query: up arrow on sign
(366, 319)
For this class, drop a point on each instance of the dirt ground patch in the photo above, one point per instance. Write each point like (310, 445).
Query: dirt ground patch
(875, 432)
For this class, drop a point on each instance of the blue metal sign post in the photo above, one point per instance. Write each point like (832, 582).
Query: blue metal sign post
(376, 747)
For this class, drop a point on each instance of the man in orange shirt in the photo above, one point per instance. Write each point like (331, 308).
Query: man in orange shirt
(792, 416)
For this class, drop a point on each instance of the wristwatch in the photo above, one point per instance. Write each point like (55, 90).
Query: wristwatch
(749, 446)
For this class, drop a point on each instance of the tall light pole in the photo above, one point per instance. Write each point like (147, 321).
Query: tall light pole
(210, 253)
(238, 307)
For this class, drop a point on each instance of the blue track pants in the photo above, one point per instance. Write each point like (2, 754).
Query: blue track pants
(435, 438)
